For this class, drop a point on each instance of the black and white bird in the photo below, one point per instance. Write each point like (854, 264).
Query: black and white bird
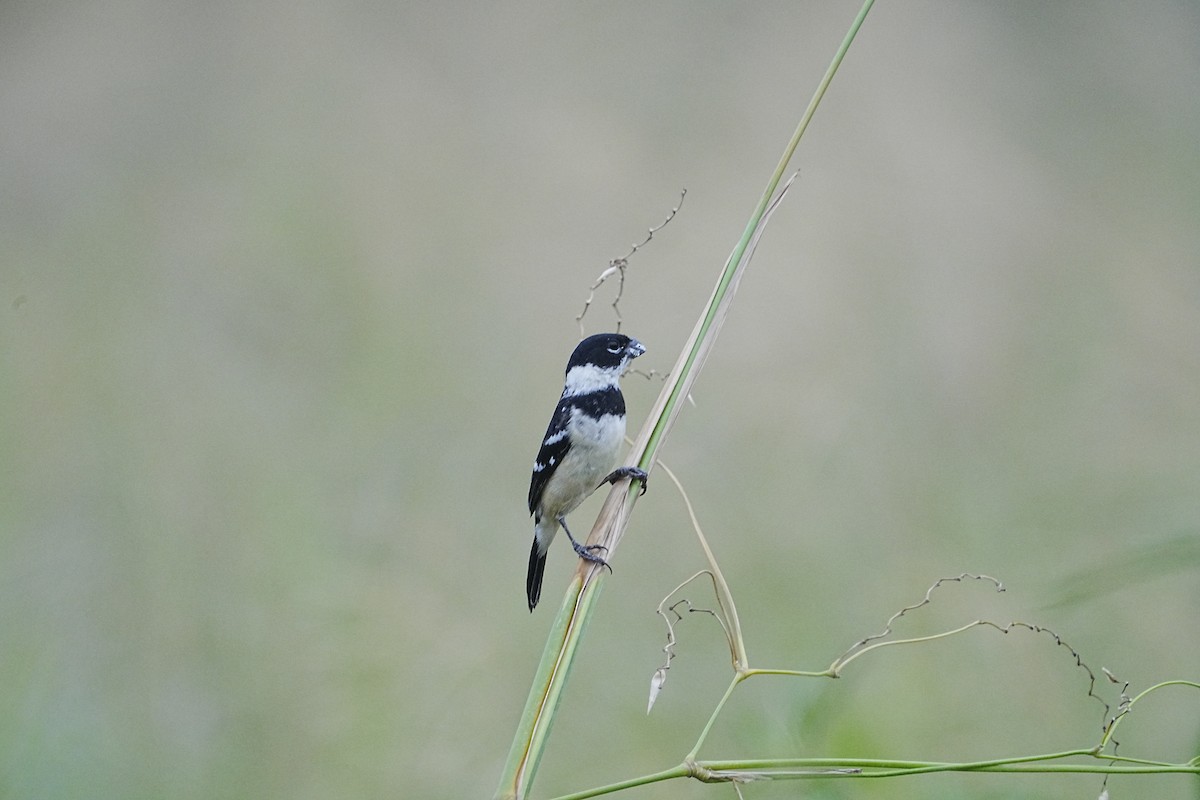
(580, 446)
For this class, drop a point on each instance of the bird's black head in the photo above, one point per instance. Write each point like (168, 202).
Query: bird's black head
(606, 351)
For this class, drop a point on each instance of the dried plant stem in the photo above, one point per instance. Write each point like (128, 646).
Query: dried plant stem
(566, 631)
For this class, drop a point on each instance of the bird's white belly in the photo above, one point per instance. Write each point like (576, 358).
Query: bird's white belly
(595, 444)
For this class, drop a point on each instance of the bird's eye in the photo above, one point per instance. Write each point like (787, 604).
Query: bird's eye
(615, 347)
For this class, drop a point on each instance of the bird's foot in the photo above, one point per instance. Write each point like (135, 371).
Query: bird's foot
(585, 551)
(628, 472)
(588, 553)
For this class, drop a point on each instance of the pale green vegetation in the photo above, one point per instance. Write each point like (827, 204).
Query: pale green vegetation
(284, 293)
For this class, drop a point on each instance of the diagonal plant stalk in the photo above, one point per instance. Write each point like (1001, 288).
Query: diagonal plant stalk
(583, 590)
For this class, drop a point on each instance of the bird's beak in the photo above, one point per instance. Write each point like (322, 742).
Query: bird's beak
(634, 348)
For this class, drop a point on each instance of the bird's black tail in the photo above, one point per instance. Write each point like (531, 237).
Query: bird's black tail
(533, 579)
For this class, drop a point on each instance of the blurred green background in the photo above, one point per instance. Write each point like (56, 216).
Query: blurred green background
(286, 290)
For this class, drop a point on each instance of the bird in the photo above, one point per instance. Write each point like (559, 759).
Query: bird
(580, 447)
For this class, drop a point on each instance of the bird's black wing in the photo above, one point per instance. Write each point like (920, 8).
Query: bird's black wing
(555, 445)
